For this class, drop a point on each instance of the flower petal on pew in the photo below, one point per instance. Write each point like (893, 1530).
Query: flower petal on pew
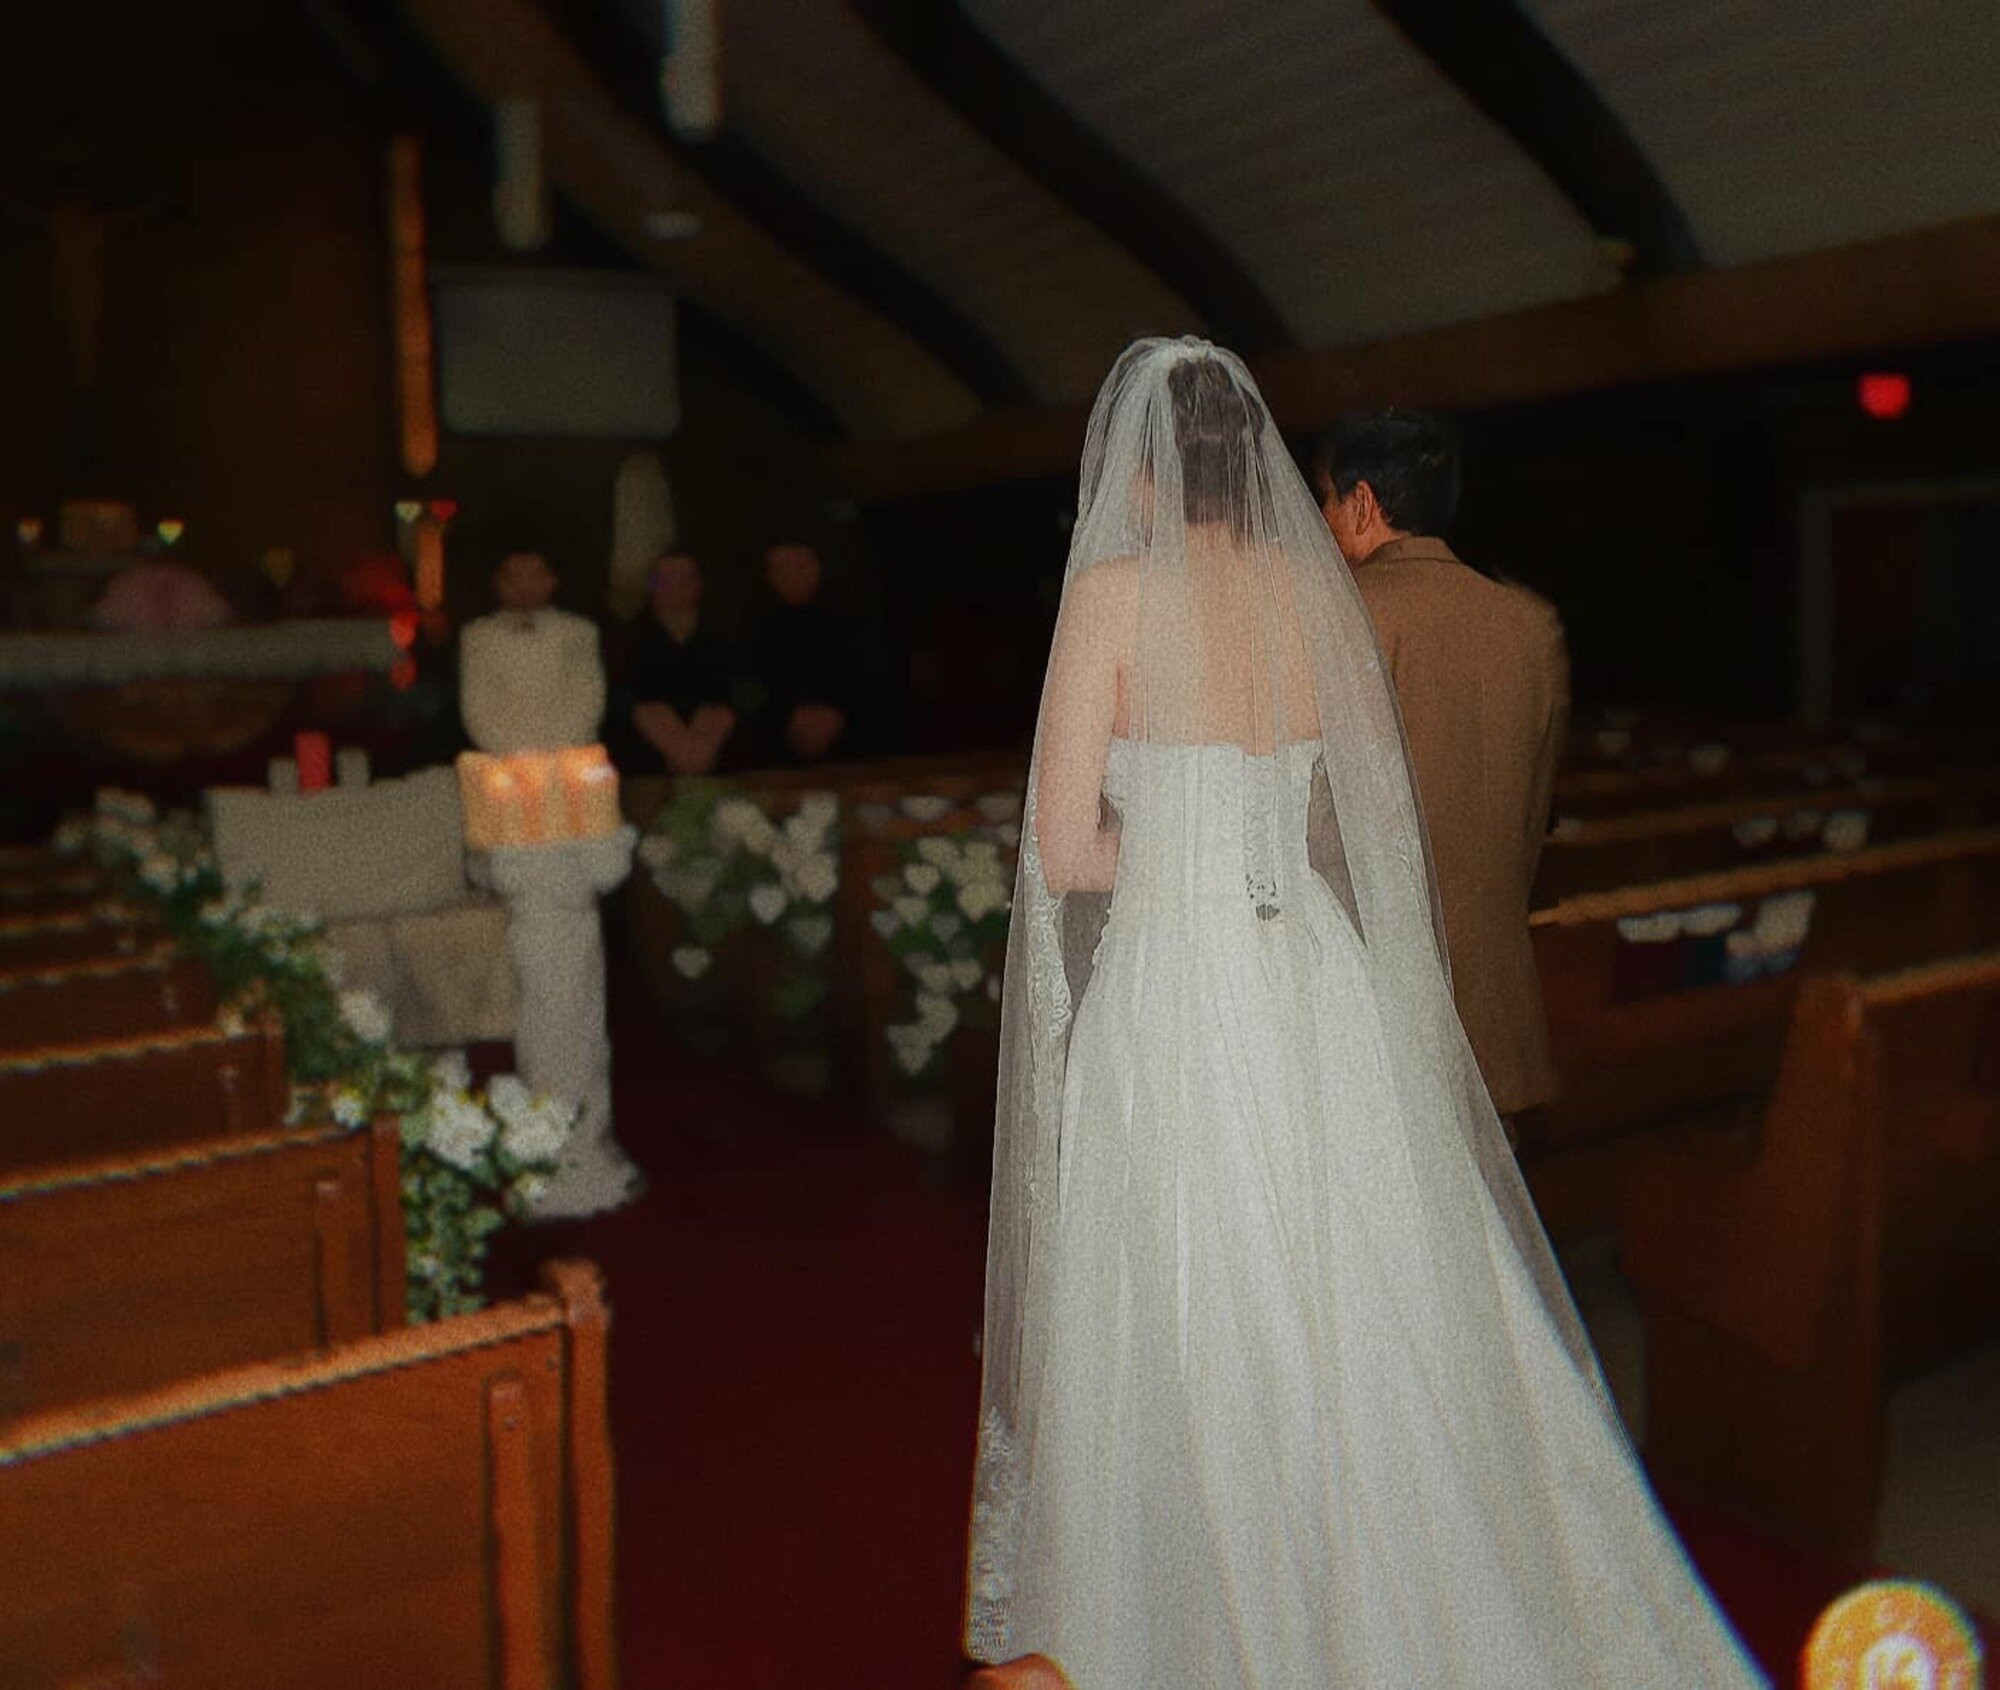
(1711, 919)
(1650, 929)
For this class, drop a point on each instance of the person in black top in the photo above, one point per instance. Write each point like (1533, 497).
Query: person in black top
(795, 658)
(679, 681)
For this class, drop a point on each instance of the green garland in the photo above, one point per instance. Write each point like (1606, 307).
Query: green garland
(468, 1160)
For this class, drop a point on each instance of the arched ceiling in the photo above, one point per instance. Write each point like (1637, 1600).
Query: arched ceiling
(1379, 198)
(1367, 194)
(813, 88)
(1787, 126)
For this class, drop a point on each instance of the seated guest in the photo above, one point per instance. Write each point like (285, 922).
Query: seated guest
(794, 658)
(530, 678)
(157, 597)
(679, 680)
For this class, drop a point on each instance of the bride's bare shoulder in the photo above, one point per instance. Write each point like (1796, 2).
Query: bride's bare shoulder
(1106, 589)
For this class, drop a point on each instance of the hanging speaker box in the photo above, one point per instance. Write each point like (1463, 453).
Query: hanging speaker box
(691, 70)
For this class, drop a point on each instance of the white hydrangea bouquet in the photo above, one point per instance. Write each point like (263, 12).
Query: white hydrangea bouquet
(728, 867)
(944, 914)
(467, 1159)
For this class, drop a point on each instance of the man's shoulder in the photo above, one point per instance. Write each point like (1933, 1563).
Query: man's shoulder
(1435, 578)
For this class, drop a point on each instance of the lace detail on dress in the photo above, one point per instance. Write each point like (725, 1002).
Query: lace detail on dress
(996, 1525)
(1261, 777)
(1048, 989)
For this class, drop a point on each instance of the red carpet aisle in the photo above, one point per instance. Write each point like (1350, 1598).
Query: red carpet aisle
(793, 1389)
(793, 1383)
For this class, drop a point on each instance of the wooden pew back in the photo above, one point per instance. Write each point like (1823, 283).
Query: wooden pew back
(103, 1097)
(128, 1272)
(428, 1507)
(62, 1003)
(104, 930)
(30, 872)
(1720, 836)
(1786, 1293)
(1630, 1056)
(1935, 1033)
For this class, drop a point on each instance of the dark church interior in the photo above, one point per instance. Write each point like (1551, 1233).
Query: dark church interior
(534, 535)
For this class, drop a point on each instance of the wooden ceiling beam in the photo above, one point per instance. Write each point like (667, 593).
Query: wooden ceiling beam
(877, 379)
(1069, 160)
(1931, 286)
(1513, 73)
(626, 62)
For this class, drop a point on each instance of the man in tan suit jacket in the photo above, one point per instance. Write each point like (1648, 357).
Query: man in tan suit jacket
(1482, 674)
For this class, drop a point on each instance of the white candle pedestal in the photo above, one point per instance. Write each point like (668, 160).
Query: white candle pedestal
(561, 1045)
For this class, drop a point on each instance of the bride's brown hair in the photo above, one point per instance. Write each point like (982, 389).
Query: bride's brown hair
(1217, 424)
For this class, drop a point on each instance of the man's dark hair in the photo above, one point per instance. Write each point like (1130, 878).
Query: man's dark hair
(1410, 458)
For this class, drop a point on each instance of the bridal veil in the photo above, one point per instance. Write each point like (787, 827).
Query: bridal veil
(1198, 547)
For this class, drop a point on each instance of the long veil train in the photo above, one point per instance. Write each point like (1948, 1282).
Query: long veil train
(1282, 1381)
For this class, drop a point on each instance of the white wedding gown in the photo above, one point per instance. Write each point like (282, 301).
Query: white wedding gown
(1260, 1457)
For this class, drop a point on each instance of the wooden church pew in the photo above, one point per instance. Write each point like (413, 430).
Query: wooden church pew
(1589, 793)
(1787, 1293)
(102, 1097)
(62, 1003)
(1719, 836)
(127, 1272)
(431, 1507)
(1751, 770)
(30, 870)
(1638, 1052)
(104, 930)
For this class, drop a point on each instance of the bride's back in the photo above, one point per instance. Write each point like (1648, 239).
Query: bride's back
(1216, 655)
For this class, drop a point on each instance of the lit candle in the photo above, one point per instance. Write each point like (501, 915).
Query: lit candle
(591, 787)
(537, 773)
(314, 752)
(501, 824)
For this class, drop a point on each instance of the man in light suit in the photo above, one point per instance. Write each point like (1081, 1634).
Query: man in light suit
(1482, 675)
(530, 677)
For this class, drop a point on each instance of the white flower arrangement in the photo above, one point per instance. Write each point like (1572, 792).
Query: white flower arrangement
(368, 1016)
(1772, 942)
(1845, 830)
(1710, 759)
(468, 1159)
(1753, 831)
(945, 915)
(726, 865)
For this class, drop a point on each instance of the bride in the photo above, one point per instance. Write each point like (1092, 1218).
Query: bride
(1283, 1386)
